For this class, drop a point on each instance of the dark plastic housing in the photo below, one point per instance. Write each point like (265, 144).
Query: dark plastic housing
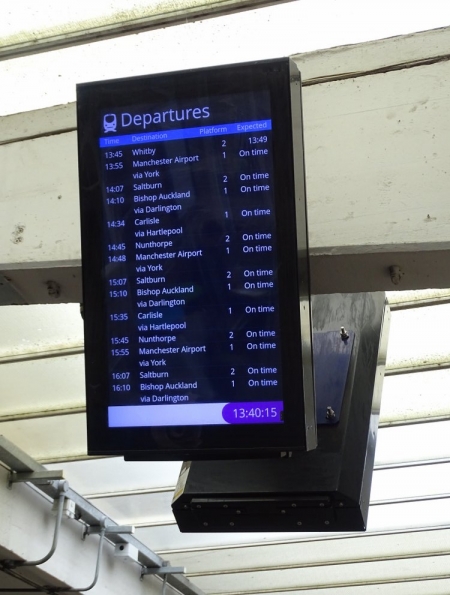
(326, 489)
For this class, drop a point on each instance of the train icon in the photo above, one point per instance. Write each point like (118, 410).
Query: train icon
(110, 123)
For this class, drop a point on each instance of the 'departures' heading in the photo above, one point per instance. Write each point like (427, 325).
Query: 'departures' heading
(125, 119)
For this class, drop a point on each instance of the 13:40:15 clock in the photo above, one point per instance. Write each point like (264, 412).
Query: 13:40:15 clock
(259, 412)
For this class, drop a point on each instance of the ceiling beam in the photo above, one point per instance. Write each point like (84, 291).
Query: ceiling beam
(117, 24)
(377, 156)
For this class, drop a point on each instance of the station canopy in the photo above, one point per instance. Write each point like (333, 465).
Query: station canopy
(47, 47)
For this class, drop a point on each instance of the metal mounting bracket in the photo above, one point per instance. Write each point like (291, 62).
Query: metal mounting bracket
(163, 570)
(109, 530)
(36, 477)
(332, 356)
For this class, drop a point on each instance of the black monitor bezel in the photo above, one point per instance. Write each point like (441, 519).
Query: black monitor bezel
(246, 439)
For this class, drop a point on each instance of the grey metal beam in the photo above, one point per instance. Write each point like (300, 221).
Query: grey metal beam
(17, 460)
(37, 477)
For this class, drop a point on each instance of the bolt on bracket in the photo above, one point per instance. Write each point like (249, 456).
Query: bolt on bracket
(163, 570)
(36, 477)
(109, 530)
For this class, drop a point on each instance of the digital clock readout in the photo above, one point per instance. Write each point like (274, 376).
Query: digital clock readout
(255, 412)
(261, 412)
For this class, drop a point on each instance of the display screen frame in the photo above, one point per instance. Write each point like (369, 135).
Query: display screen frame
(298, 430)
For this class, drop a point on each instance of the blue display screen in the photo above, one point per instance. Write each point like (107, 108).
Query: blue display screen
(190, 263)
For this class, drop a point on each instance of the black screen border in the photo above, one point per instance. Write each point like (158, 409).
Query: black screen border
(199, 442)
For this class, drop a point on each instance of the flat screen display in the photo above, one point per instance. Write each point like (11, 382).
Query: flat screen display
(192, 288)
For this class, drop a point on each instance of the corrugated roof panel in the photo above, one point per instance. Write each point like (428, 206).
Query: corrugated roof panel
(419, 337)
(55, 384)
(114, 475)
(417, 442)
(49, 438)
(418, 481)
(137, 509)
(423, 587)
(319, 549)
(338, 576)
(29, 329)
(416, 396)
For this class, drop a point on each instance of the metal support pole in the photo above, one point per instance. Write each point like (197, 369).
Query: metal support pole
(49, 589)
(97, 570)
(9, 564)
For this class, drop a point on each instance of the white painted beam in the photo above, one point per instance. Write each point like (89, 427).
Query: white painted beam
(320, 66)
(115, 23)
(377, 155)
(28, 125)
(372, 57)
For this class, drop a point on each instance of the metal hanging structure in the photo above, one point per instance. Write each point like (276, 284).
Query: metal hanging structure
(25, 469)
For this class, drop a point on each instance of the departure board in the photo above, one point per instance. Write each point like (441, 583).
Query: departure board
(190, 246)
